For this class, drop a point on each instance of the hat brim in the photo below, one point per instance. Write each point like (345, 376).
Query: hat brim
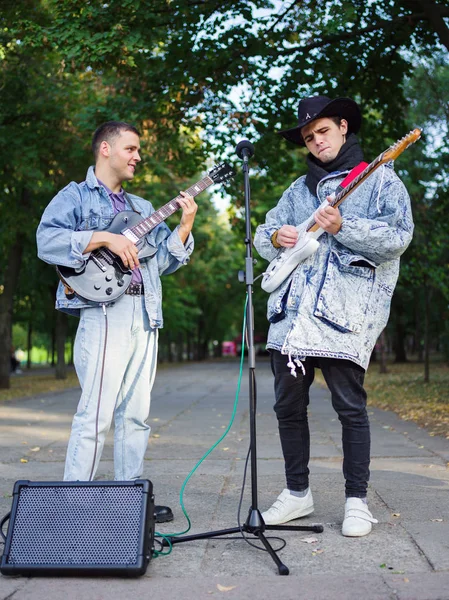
(345, 108)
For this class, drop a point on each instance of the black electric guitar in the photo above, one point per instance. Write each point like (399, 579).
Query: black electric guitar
(104, 277)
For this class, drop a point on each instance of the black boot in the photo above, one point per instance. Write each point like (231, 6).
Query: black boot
(162, 514)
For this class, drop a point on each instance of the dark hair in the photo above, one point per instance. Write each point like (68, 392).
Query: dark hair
(336, 120)
(107, 132)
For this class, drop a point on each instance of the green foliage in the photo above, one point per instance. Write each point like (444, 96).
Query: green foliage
(195, 77)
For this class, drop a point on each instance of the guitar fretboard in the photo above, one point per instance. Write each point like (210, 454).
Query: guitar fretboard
(168, 209)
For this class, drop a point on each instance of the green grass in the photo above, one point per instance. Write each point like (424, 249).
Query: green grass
(403, 391)
(26, 385)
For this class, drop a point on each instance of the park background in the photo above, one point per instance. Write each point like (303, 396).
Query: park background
(195, 77)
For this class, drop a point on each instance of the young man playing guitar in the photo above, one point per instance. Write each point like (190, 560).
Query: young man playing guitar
(330, 310)
(116, 343)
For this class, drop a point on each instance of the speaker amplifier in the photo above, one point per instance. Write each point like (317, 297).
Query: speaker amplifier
(80, 528)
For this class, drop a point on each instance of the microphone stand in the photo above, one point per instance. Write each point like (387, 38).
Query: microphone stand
(254, 523)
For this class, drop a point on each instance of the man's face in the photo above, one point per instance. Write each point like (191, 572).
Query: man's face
(124, 155)
(324, 138)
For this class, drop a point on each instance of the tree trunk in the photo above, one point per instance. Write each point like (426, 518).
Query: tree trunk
(189, 346)
(6, 307)
(72, 350)
(29, 343)
(169, 353)
(61, 334)
(399, 342)
(180, 348)
(53, 346)
(418, 327)
(427, 295)
(382, 353)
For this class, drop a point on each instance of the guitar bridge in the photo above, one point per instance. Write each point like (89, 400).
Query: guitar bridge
(98, 262)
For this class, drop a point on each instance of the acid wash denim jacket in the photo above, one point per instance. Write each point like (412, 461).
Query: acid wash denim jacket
(337, 302)
(66, 229)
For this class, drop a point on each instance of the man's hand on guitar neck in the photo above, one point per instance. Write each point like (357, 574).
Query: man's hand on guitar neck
(189, 208)
(329, 219)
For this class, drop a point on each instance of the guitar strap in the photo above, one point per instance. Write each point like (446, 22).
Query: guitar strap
(131, 204)
(351, 176)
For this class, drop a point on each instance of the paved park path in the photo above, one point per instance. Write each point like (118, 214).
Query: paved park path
(405, 557)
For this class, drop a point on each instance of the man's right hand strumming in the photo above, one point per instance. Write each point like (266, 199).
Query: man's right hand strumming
(118, 244)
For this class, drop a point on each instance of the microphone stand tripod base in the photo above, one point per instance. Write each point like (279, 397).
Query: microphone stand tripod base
(254, 525)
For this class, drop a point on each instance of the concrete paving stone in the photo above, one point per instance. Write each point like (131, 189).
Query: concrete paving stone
(428, 586)
(432, 538)
(412, 469)
(199, 587)
(405, 556)
(418, 504)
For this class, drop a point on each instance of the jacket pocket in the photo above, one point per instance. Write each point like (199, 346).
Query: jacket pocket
(346, 291)
(88, 223)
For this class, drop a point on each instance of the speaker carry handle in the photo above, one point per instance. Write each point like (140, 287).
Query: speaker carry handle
(2, 522)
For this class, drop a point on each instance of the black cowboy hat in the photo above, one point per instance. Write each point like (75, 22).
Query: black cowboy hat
(317, 107)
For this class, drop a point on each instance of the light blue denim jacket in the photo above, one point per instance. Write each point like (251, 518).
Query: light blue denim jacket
(66, 229)
(337, 302)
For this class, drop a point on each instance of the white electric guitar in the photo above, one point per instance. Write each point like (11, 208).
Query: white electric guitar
(309, 231)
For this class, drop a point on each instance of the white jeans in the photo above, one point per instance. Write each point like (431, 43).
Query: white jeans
(115, 360)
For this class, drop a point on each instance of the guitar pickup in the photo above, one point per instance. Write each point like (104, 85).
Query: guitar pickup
(99, 264)
(130, 235)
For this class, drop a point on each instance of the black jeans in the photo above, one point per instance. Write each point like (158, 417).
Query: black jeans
(345, 382)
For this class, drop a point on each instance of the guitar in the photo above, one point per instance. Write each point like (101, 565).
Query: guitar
(309, 231)
(104, 278)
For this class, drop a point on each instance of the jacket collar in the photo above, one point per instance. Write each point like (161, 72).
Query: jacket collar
(91, 180)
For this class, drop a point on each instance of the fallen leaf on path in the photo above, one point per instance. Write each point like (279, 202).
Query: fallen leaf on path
(156, 435)
(23, 460)
(36, 449)
(406, 580)
(317, 551)
(222, 588)
(396, 515)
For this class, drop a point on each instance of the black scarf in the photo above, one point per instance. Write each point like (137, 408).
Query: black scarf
(350, 156)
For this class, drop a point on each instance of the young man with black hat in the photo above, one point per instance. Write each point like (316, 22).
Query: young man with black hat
(329, 312)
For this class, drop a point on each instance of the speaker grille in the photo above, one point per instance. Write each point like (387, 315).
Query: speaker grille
(100, 525)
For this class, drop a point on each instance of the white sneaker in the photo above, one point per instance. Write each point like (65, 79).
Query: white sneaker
(288, 507)
(358, 519)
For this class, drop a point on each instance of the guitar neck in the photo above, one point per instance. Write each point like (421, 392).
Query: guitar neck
(313, 226)
(148, 224)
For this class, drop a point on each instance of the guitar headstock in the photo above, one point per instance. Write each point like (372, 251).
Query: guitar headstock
(221, 172)
(396, 149)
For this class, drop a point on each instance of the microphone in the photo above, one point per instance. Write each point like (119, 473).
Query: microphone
(244, 150)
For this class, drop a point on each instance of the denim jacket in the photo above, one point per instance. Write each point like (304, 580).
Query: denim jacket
(337, 302)
(66, 229)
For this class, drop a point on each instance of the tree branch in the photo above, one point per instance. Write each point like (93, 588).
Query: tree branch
(435, 14)
(383, 24)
